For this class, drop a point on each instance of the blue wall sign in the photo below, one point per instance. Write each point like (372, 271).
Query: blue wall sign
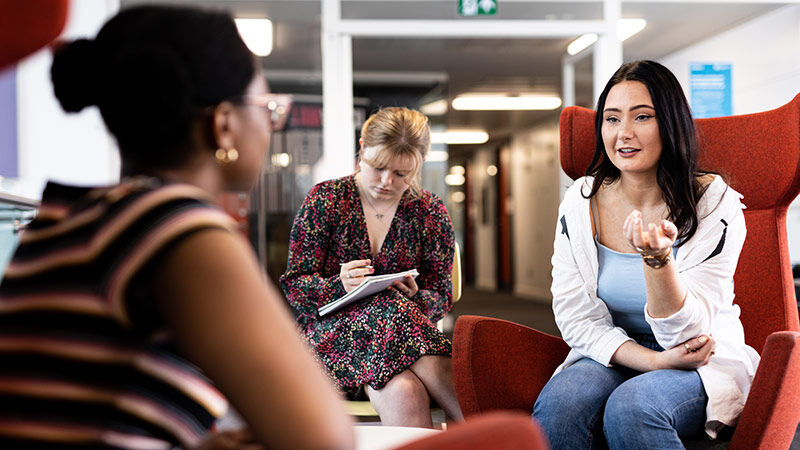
(8, 123)
(710, 90)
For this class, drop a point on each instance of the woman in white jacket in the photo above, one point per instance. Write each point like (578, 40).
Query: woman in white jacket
(645, 252)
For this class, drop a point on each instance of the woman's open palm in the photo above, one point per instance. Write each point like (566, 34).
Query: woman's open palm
(651, 240)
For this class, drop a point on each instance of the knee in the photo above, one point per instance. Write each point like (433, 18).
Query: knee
(556, 407)
(438, 365)
(568, 396)
(407, 392)
(629, 405)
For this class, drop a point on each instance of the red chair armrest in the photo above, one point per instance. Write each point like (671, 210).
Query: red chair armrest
(770, 415)
(495, 430)
(499, 364)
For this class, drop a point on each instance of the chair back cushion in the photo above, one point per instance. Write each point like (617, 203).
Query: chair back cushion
(759, 156)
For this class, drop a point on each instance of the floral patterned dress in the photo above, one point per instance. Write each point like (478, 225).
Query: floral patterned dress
(371, 340)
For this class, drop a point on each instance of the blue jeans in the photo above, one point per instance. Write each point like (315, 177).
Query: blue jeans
(589, 405)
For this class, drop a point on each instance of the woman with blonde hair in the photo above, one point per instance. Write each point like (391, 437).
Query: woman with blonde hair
(379, 221)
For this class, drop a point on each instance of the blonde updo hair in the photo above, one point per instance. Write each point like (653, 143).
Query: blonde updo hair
(398, 133)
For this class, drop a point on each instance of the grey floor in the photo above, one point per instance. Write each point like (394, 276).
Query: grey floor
(529, 312)
(503, 305)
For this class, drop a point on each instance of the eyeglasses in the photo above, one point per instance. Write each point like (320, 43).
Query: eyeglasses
(277, 105)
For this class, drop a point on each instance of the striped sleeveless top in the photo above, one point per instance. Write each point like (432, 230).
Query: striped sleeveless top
(84, 357)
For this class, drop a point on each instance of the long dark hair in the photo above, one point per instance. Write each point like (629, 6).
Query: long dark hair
(152, 71)
(677, 173)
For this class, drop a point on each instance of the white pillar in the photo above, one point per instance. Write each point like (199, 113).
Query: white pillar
(568, 94)
(568, 83)
(608, 48)
(338, 132)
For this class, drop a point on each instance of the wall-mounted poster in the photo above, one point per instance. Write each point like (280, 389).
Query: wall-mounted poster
(710, 90)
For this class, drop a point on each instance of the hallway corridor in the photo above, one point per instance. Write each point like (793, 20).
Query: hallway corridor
(503, 305)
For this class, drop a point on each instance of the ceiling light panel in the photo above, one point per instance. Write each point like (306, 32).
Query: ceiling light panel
(256, 34)
(501, 102)
(581, 43)
(625, 29)
(452, 137)
(436, 108)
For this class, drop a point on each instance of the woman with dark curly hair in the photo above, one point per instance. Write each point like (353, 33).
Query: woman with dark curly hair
(120, 300)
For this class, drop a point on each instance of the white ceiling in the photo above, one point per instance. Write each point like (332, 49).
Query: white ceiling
(473, 64)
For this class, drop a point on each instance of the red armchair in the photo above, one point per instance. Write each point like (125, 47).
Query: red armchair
(502, 365)
(497, 430)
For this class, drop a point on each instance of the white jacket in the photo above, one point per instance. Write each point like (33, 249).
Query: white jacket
(705, 263)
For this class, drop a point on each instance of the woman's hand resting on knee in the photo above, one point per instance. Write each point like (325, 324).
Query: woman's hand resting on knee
(690, 355)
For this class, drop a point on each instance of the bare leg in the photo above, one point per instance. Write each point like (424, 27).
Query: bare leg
(436, 374)
(403, 401)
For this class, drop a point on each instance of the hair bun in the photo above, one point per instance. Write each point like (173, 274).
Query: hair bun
(74, 74)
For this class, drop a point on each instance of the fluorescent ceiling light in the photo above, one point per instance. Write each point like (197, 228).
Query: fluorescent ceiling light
(628, 27)
(502, 102)
(453, 179)
(256, 34)
(281, 159)
(437, 108)
(458, 170)
(625, 29)
(459, 137)
(581, 43)
(437, 155)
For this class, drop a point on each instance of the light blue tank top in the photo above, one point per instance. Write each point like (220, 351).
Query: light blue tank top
(621, 286)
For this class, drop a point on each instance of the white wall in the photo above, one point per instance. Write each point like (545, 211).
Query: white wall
(72, 148)
(535, 193)
(765, 54)
(765, 58)
(485, 237)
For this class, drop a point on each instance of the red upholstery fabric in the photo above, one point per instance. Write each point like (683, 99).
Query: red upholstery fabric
(759, 154)
(516, 361)
(770, 416)
(499, 430)
(27, 26)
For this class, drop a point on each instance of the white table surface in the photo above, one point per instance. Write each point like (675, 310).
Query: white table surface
(375, 437)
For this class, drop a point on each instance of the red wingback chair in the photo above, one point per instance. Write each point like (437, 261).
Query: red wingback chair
(502, 365)
(27, 26)
(497, 430)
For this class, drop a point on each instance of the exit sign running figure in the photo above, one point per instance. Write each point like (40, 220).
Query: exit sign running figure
(477, 7)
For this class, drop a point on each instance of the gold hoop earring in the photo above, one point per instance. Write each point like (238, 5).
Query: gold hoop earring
(225, 156)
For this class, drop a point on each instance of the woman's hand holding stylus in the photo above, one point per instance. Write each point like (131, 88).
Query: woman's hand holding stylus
(354, 273)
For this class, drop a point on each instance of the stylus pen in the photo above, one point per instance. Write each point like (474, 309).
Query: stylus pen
(362, 267)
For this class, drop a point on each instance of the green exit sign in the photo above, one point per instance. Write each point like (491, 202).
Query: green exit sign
(477, 7)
